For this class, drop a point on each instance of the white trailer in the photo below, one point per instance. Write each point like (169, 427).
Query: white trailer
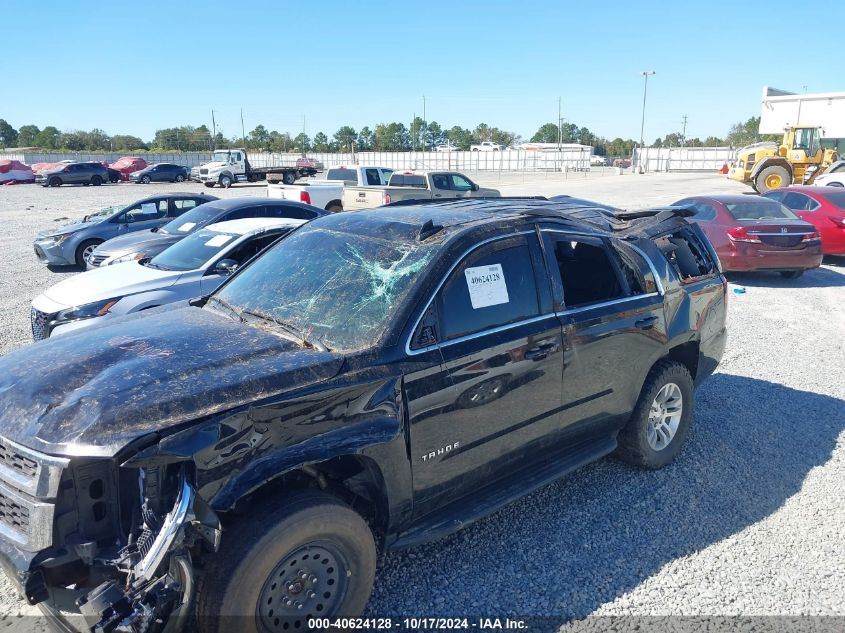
(781, 109)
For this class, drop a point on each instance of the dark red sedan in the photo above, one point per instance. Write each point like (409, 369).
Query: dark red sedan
(823, 207)
(751, 233)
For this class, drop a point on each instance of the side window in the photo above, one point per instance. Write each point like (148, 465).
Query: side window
(799, 202)
(239, 214)
(459, 183)
(184, 204)
(635, 270)
(146, 211)
(775, 195)
(493, 286)
(249, 249)
(372, 177)
(704, 212)
(838, 168)
(284, 211)
(587, 273)
(440, 181)
(686, 255)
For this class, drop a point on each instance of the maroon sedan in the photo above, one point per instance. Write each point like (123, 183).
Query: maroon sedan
(823, 207)
(752, 233)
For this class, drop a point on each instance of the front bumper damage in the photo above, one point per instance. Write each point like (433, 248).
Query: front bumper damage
(148, 586)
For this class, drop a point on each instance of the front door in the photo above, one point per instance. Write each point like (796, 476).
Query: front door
(497, 391)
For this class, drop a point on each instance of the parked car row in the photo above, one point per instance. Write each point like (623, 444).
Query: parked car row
(310, 395)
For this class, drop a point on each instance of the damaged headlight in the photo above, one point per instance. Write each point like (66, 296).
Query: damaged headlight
(87, 311)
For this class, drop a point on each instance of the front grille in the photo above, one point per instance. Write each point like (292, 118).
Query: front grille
(14, 515)
(40, 322)
(13, 460)
(97, 260)
(203, 172)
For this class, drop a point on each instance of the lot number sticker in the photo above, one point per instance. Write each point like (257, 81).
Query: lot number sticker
(218, 240)
(486, 286)
(186, 227)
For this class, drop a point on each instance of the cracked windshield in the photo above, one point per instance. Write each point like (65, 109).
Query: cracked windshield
(342, 299)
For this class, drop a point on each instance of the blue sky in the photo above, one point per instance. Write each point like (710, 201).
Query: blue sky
(133, 67)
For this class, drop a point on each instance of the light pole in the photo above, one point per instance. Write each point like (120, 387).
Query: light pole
(645, 74)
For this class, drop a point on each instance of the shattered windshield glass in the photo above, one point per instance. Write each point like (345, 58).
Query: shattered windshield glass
(339, 289)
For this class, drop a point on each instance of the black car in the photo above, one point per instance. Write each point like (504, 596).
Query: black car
(89, 173)
(149, 243)
(375, 380)
(160, 172)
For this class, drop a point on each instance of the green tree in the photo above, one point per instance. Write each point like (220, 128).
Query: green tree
(416, 133)
(259, 138)
(302, 142)
(742, 134)
(434, 135)
(713, 141)
(366, 139)
(279, 141)
(460, 137)
(392, 137)
(693, 142)
(8, 134)
(321, 142)
(48, 138)
(27, 134)
(127, 143)
(346, 138)
(548, 133)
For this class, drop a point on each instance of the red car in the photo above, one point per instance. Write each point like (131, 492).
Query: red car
(128, 164)
(823, 207)
(751, 233)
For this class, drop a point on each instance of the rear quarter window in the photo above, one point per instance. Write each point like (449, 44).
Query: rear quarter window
(687, 255)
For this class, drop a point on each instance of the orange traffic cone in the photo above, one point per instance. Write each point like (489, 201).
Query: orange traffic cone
(724, 169)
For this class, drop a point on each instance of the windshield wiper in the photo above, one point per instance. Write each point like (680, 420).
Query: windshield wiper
(292, 330)
(156, 266)
(229, 307)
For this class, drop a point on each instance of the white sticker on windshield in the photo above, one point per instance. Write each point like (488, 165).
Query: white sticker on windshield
(218, 240)
(149, 208)
(486, 286)
(187, 227)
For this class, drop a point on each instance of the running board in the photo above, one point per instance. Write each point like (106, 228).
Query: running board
(487, 500)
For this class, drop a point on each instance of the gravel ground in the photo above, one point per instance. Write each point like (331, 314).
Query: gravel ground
(748, 521)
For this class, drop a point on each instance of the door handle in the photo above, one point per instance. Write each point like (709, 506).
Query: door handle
(646, 323)
(536, 353)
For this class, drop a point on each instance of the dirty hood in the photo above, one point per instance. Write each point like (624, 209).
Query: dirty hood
(93, 392)
(138, 241)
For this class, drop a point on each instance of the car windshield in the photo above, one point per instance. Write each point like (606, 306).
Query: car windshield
(187, 222)
(194, 251)
(104, 213)
(221, 157)
(339, 289)
(836, 199)
(760, 210)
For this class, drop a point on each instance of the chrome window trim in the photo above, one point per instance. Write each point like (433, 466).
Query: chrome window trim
(508, 326)
(489, 240)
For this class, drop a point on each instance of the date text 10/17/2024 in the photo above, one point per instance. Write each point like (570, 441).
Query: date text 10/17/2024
(417, 623)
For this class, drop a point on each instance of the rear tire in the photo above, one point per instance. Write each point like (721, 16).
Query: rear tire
(96, 181)
(289, 177)
(261, 566)
(791, 274)
(772, 178)
(334, 207)
(653, 436)
(180, 178)
(84, 250)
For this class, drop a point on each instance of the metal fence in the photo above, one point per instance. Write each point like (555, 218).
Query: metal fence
(508, 160)
(684, 158)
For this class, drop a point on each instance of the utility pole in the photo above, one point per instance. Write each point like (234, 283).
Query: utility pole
(559, 126)
(425, 122)
(645, 74)
(243, 130)
(684, 133)
(214, 133)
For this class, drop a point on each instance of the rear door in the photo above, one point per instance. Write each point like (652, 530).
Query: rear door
(610, 306)
(497, 392)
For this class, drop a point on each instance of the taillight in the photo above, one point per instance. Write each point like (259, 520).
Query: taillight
(811, 237)
(387, 198)
(839, 222)
(740, 234)
(305, 197)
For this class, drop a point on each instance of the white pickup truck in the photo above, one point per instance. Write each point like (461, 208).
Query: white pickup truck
(411, 185)
(486, 146)
(328, 194)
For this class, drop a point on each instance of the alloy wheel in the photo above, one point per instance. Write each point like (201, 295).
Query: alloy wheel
(664, 416)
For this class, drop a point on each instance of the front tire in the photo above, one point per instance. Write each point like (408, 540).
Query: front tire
(55, 181)
(96, 181)
(84, 250)
(225, 181)
(307, 555)
(660, 423)
(180, 178)
(145, 180)
(209, 184)
(772, 177)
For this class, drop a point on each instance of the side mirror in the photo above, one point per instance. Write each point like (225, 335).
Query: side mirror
(225, 267)
(475, 187)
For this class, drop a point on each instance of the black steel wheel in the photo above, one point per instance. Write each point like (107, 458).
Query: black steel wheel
(289, 177)
(301, 556)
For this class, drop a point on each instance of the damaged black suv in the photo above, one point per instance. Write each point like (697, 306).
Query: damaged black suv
(377, 379)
